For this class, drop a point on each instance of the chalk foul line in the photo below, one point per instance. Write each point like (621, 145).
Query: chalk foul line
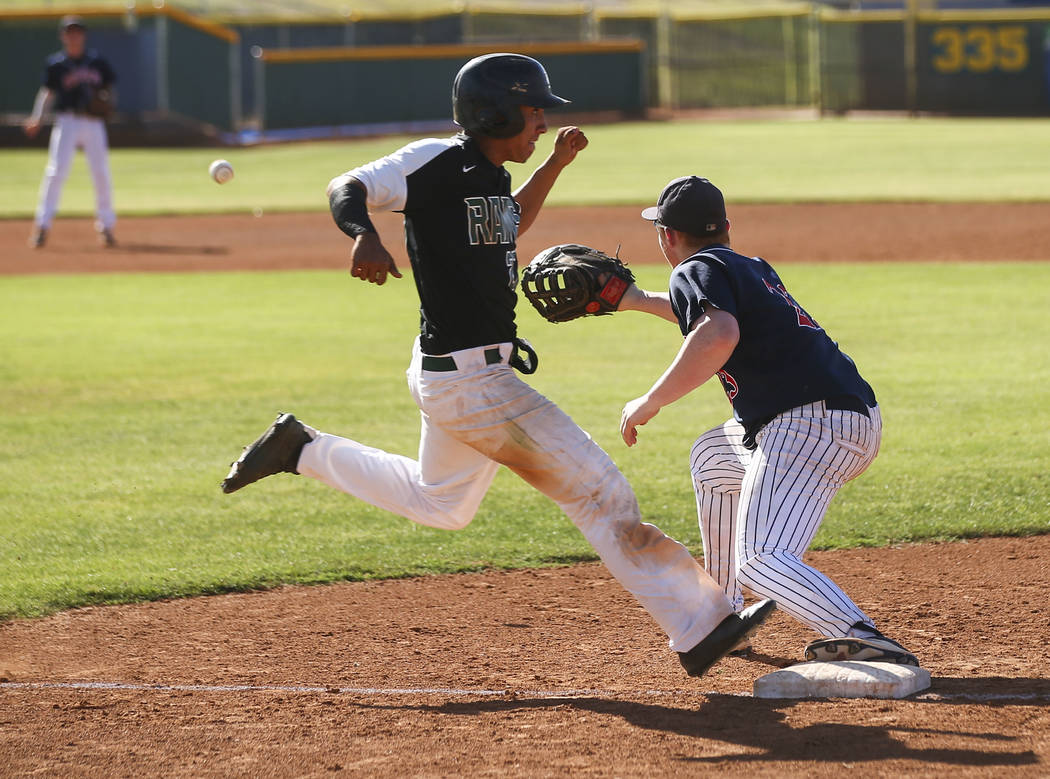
(456, 692)
(334, 690)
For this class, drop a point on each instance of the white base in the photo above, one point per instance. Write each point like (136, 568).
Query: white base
(842, 679)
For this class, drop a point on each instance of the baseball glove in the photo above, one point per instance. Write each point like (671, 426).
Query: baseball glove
(569, 281)
(100, 103)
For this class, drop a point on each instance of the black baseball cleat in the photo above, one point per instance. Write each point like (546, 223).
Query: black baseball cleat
(743, 649)
(873, 648)
(724, 638)
(276, 451)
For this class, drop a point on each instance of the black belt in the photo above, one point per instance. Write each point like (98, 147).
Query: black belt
(431, 363)
(847, 403)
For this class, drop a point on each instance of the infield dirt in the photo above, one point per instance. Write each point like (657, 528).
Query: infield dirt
(531, 673)
(818, 232)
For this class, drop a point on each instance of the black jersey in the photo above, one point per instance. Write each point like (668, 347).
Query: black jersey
(73, 81)
(783, 358)
(461, 228)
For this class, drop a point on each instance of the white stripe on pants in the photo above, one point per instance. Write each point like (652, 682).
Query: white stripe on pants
(482, 416)
(69, 133)
(759, 510)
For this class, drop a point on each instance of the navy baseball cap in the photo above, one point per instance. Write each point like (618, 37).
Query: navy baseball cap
(690, 205)
(71, 21)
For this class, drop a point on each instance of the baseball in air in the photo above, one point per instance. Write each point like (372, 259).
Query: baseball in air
(221, 171)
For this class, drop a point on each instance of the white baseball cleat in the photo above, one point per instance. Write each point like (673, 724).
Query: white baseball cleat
(873, 649)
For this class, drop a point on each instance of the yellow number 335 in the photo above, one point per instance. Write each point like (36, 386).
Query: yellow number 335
(980, 49)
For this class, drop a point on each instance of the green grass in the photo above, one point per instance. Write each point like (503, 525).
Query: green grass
(752, 161)
(126, 396)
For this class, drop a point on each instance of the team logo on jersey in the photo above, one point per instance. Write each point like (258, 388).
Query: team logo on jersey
(732, 389)
(804, 319)
(81, 75)
(492, 220)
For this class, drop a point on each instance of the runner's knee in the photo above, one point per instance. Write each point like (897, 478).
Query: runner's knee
(447, 517)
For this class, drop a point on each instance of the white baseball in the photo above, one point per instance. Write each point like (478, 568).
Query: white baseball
(221, 171)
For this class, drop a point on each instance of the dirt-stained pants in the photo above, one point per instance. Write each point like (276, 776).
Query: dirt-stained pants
(480, 416)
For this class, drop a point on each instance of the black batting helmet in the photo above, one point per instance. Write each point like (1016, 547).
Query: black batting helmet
(488, 90)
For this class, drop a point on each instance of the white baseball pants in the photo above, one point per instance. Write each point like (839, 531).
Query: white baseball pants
(70, 133)
(481, 416)
(759, 510)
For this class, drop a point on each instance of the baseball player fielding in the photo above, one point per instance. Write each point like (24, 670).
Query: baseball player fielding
(221, 171)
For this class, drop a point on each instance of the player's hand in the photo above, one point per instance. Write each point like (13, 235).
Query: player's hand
(568, 143)
(636, 412)
(31, 127)
(370, 261)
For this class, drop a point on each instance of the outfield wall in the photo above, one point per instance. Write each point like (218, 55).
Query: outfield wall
(378, 71)
(794, 55)
(947, 62)
(386, 85)
(168, 63)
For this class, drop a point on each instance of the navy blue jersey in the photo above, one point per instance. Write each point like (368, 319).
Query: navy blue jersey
(461, 227)
(784, 358)
(73, 81)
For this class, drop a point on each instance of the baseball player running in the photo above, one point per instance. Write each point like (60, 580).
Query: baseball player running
(461, 225)
(77, 81)
(804, 421)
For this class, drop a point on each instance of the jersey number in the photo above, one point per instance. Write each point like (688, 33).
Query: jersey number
(512, 269)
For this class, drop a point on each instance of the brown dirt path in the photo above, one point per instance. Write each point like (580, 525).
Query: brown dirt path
(781, 233)
(398, 677)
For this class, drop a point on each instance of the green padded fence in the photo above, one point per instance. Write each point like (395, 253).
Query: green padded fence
(23, 46)
(640, 28)
(983, 63)
(387, 70)
(720, 62)
(202, 76)
(385, 85)
(167, 62)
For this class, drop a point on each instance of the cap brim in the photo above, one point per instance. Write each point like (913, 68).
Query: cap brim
(652, 213)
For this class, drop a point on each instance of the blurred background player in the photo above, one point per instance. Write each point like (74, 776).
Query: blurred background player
(77, 83)
(805, 421)
(462, 222)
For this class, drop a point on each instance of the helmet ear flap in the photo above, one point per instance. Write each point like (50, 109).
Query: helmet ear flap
(489, 118)
(500, 121)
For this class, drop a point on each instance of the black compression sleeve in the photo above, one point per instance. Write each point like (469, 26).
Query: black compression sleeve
(349, 207)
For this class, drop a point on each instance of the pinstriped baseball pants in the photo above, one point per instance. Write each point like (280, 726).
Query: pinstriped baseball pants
(759, 510)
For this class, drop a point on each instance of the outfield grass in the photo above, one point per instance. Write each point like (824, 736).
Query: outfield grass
(753, 161)
(126, 396)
